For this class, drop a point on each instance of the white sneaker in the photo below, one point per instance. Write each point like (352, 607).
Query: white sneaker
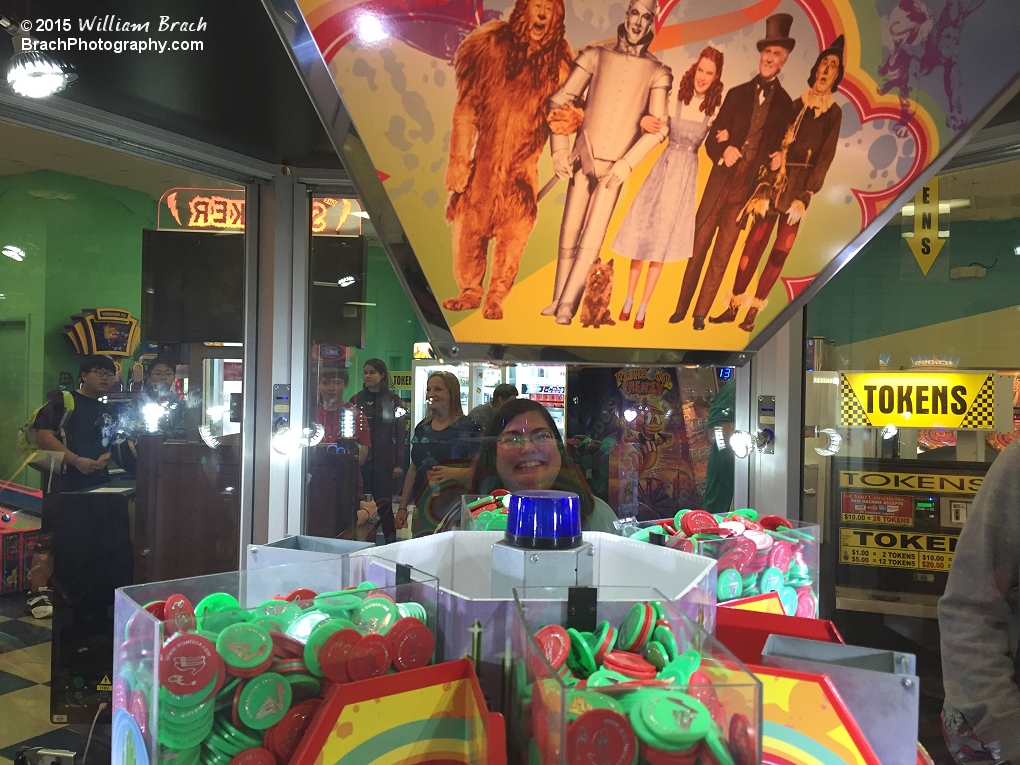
(39, 603)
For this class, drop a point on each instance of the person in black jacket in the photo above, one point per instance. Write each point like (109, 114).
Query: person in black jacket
(783, 196)
(744, 142)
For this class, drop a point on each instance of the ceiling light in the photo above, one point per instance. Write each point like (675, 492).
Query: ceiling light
(835, 440)
(14, 253)
(361, 214)
(36, 75)
(346, 281)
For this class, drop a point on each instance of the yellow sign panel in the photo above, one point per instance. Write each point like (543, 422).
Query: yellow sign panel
(924, 240)
(943, 484)
(896, 549)
(953, 400)
(400, 381)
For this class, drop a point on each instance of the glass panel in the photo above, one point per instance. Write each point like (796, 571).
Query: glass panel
(910, 395)
(121, 313)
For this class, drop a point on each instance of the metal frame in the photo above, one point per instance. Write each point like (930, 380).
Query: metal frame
(328, 103)
(271, 252)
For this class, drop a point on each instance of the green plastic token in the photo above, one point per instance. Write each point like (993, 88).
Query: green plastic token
(729, 585)
(717, 746)
(788, 597)
(579, 702)
(244, 646)
(602, 678)
(302, 627)
(498, 523)
(264, 701)
(771, 580)
(341, 604)
(656, 655)
(376, 616)
(322, 632)
(580, 659)
(657, 609)
(748, 513)
(679, 670)
(675, 720)
(664, 636)
(635, 624)
(278, 612)
(218, 610)
(185, 700)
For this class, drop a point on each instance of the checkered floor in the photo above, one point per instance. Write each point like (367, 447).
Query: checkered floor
(25, 692)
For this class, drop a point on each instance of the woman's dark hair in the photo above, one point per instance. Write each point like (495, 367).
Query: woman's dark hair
(713, 96)
(485, 477)
(380, 366)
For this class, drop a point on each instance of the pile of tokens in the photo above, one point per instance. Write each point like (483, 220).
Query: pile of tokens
(632, 694)
(240, 686)
(490, 512)
(754, 555)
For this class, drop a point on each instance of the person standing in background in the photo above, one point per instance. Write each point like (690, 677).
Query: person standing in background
(385, 413)
(441, 449)
(501, 394)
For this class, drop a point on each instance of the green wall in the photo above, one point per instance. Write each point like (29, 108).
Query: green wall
(83, 245)
(882, 291)
(391, 326)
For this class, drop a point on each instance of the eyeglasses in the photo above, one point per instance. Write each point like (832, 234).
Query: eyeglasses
(102, 372)
(519, 440)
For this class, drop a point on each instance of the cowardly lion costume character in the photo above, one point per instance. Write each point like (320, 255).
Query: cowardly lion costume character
(506, 71)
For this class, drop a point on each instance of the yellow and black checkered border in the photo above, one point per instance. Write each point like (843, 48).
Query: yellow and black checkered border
(981, 414)
(851, 413)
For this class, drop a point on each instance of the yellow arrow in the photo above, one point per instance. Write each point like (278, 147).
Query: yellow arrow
(924, 242)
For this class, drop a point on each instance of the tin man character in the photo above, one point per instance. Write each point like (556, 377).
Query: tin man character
(624, 82)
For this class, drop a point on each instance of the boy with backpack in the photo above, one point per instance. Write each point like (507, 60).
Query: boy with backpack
(71, 440)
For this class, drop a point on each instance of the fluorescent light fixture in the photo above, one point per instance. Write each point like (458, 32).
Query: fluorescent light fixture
(944, 206)
(14, 253)
(355, 302)
(36, 75)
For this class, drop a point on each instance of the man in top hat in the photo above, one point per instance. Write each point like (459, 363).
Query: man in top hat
(783, 196)
(743, 143)
(624, 82)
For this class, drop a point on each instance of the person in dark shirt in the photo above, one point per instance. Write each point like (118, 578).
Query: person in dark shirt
(86, 443)
(442, 447)
(501, 394)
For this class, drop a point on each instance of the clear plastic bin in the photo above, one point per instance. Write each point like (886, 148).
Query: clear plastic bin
(153, 701)
(552, 721)
(794, 554)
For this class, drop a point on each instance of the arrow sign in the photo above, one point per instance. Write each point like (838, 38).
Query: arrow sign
(924, 242)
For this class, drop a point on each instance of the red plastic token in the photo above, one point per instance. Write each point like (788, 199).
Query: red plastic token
(555, 644)
(286, 647)
(139, 708)
(781, 555)
(629, 664)
(254, 671)
(121, 692)
(187, 663)
(156, 608)
(774, 522)
(369, 657)
(499, 492)
(413, 647)
(254, 756)
(806, 605)
(603, 736)
(697, 522)
(742, 743)
(334, 654)
(300, 594)
(179, 613)
(681, 543)
(286, 735)
(221, 676)
(234, 718)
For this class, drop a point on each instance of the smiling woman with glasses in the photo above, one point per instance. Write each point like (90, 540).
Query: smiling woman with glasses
(522, 450)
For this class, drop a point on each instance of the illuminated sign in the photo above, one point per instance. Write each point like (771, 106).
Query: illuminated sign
(928, 482)
(896, 549)
(184, 209)
(400, 381)
(882, 509)
(953, 400)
